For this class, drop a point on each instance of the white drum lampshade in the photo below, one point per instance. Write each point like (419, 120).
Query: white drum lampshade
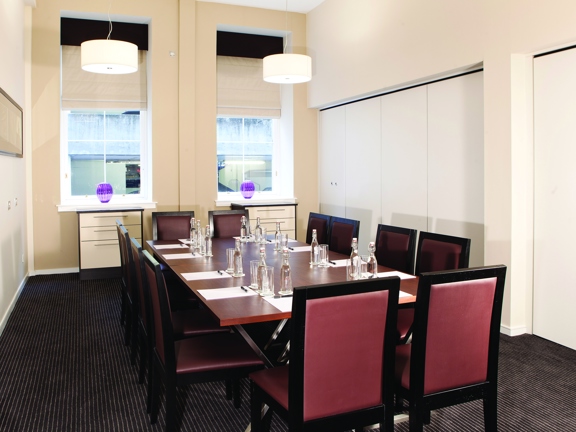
(108, 56)
(287, 68)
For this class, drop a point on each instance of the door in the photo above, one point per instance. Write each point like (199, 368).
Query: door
(332, 161)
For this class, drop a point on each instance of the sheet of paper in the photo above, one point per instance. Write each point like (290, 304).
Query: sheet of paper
(284, 304)
(404, 294)
(396, 273)
(300, 249)
(224, 293)
(171, 246)
(181, 256)
(205, 275)
(338, 263)
(185, 241)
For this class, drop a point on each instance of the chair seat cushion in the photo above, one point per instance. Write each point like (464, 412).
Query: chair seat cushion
(214, 352)
(274, 382)
(402, 367)
(195, 322)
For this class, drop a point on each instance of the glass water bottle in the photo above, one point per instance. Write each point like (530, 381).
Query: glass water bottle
(208, 241)
(238, 267)
(262, 279)
(285, 274)
(314, 249)
(257, 231)
(372, 266)
(243, 229)
(278, 238)
(199, 237)
(354, 260)
(193, 233)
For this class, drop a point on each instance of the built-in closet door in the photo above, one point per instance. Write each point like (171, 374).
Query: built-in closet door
(554, 300)
(363, 150)
(404, 159)
(456, 160)
(332, 161)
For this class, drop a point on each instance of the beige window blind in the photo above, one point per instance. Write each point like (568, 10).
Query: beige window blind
(241, 90)
(87, 90)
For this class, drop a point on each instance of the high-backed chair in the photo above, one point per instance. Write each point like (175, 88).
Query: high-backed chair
(435, 252)
(171, 225)
(321, 223)
(340, 374)
(212, 357)
(129, 304)
(342, 231)
(436, 371)
(186, 323)
(225, 223)
(396, 247)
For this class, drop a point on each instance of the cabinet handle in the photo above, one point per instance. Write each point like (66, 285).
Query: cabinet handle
(105, 230)
(271, 210)
(106, 244)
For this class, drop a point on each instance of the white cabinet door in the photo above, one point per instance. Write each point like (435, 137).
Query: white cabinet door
(363, 184)
(332, 161)
(404, 159)
(456, 160)
(554, 192)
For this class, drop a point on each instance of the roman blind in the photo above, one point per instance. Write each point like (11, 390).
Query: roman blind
(242, 92)
(87, 90)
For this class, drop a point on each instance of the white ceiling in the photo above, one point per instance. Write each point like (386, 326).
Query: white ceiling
(301, 6)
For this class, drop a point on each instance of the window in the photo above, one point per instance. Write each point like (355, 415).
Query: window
(245, 152)
(102, 146)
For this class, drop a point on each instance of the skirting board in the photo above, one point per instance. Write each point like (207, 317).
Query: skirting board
(55, 271)
(516, 331)
(12, 304)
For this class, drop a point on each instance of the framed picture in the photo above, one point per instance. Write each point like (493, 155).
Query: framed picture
(11, 126)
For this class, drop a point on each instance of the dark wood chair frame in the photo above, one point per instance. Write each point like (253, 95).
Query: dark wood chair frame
(213, 213)
(420, 404)
(411, 234)
(383, 414)
(464, 259)
(311, 216)
(155, 215)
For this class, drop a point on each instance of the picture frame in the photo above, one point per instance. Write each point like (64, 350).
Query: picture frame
(11, 127)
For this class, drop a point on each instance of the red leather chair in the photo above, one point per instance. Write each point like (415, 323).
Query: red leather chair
(453, 357)
(341, 233)
(321, 223)
(186, 323)
(206, 358)
(173, 225)
(435, 252)
(396, 247)
(128, 305)
(340, 374)
(225, 223)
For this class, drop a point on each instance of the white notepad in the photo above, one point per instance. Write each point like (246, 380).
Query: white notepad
(224, 293)
(205, 275)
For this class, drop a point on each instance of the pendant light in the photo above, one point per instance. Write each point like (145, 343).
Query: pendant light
(287, 68)
(107, 56)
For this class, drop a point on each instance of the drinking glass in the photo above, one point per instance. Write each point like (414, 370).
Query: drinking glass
(263, 238)
(323, 256)
(230, 260)
(284, 242)
(268, 282)
(254, 274)
(351, 271)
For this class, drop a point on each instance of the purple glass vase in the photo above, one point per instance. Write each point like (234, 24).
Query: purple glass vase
(104, 192)
(247, 189)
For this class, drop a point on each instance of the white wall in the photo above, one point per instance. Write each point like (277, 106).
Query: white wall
(12, 222)
(366, 46)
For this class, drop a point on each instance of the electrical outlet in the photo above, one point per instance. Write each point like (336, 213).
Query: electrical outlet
(15, 202)
(9, 205)
(22, 258)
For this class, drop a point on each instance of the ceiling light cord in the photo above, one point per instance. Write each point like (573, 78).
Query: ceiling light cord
(109, 21)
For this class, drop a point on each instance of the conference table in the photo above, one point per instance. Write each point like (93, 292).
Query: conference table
(236, 307)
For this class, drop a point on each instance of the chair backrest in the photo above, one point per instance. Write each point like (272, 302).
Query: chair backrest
(225, 223)
(456, 330)
(395, 247)
(321, 223)
(172, 225)
(351, 324)
(342, 231)
(438, 252)
(139, 273)
(125, 262)
(162, 328)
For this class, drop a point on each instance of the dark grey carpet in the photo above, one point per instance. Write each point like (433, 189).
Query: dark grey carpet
(63, 367)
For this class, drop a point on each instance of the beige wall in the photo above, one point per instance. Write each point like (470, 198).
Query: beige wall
(389, 44)
(183, 101)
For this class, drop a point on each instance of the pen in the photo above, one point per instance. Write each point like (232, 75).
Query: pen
(282, 296)
(332, 262)
(291, 248)
(244, 288)
(220, 272)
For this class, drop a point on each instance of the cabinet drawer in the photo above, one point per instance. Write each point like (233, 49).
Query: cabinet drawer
(109, 219)
(99, 254)
(107, 233)
(272, 212)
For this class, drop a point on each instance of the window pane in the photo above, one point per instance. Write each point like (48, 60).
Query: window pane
(245, 150)
(104, 147)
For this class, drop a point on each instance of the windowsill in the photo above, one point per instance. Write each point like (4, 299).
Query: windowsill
(224, 201)
(95, 205)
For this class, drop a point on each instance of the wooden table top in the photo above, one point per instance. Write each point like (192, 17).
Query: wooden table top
(253, 308)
